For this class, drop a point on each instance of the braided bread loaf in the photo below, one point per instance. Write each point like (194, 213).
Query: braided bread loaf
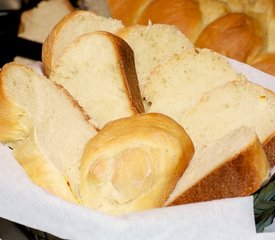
(242, 30)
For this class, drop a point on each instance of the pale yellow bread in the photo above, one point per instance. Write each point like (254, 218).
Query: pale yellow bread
(229, 106)
(152, 44)
(233, 166)
(179, 82)
(134, 163)
(98, 70)
(70, 27)
(38, 22)
(46, 128)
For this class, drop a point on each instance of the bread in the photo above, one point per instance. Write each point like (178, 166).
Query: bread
(265, 63)
(229, 106)
(46, 128)
(70, 27)
(179, 82)
(234, 165)
(154, 40)
(134, 163)
(98, 70)
(36, 23)
(235, 35)
(238, 29)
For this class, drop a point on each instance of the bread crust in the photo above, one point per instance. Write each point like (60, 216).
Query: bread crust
(241, 175)
(128, 71)
(235, 35)
(134, 163)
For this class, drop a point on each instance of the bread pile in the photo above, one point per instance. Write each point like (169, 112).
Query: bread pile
(122, 120)
(242, 30)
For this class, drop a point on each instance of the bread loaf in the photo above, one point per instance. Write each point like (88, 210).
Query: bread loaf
(98, 70)
(134, 163)
(70, 27)
(234, 165)
(229, 106)
(238, 29)
(37, 23)
(179, 82)
(46, 128)
(152, 46)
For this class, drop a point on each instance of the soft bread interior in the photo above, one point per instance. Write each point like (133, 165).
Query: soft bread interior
(92, 70)
(152, 45)
(69, 28)
(234, 165)
(60, 129)
(134, 163)
(231, 105)
(180, 81)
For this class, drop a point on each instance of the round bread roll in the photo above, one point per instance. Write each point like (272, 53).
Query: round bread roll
(265, 62)
(134, 163)
(235, 35)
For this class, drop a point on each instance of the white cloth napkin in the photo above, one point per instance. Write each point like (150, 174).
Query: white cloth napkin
(23, 202)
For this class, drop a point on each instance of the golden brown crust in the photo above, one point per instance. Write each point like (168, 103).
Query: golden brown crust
(242, 175)
(134, 163)
(128, 71)
(235, 35)
(127, 10)
(269, 148)
(184, 14)
(265, 62)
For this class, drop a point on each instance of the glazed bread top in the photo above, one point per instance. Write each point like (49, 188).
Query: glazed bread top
(134, 163)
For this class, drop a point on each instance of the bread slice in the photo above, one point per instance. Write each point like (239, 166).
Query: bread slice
(233, 166)
(98, 70)
(46, 128)
(37, 23)
(153, 44)
(134, 163)
(179, 82)
(70, 27)
(231, 105)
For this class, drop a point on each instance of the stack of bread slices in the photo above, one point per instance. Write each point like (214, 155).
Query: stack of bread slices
(126, 119)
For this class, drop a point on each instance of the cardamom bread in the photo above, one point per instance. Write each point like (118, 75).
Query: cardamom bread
(180, 81)
(234, 165)
(46, 128)
(98, 70)
(229, 106)
(154, 40)
(68, 28)
(134, 163)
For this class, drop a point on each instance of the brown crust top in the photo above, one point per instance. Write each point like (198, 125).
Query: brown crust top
(269, 148)
(128, 71)
(240, 176)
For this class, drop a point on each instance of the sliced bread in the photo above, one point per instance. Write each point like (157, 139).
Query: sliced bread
(180, 81)
(231, 105)
(232, 166)
(134, 163)
(153, 44)
(70, 27)
(98, 70)
(46, 128)
(38, 22)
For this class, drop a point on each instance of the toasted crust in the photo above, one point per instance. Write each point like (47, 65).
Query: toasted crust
(241, 175)
(269, 148)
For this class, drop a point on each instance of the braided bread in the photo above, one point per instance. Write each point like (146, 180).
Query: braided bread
(242, 30)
